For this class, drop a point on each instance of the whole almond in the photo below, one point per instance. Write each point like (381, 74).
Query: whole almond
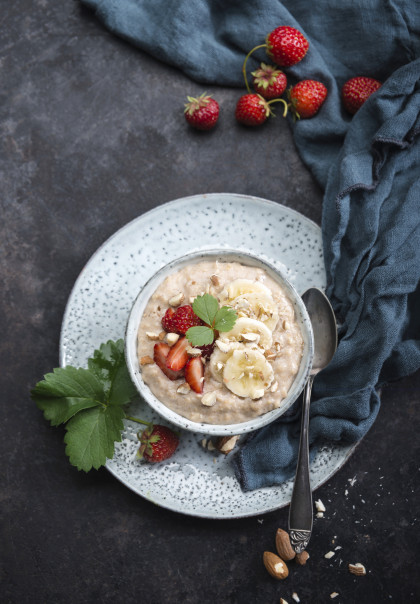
(226, 444)
(275, 566)
(283, 546)
(302, 558)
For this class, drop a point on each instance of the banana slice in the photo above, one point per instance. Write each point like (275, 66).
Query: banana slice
(249, 331)
(239, 287)
(247, 373)
(217, 363)
(257, 306)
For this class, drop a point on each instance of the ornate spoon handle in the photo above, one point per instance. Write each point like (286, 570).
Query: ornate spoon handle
(300, 513)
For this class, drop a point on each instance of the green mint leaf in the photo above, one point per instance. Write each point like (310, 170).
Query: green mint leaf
(206, 308)
(91, 435)
(225, 319)
(200, 335)
(108, 364)
(65, 392)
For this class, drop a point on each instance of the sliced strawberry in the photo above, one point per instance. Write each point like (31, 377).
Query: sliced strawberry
(160, 353)
(178, 356)
(194, 374)
(167, 320)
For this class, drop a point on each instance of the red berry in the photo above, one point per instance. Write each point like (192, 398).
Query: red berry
(207, 350)
(167, 319)
(178, 356)
(269, 82)
(356, 91)
(306, 97)
(194, 374)
(252, 110)
(157, 443)
(286, 46)
(160, 352)
(202, 113)
(184, 318)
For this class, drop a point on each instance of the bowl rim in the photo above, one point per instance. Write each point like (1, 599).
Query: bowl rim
(135, 316)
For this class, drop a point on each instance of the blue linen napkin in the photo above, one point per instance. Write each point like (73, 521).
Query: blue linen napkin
(368, 166)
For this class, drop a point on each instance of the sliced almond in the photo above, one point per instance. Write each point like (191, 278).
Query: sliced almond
(209, 399)
(172, 338)
(146, 360)
(183, 388)
(285, 325)
(162, 335)
(274, 387)
(152, 336)
(357, 569)
(320, 507)
(215, 280)
(223, 346)
(295, 597)
(320, 514)
(250, 337)
(283, 601)
(329, 555)
(275, 566)
(176, 299)
(226, 444)
(193, 352)
(334, 595)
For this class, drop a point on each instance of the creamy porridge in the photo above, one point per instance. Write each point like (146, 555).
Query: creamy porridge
(251, 368)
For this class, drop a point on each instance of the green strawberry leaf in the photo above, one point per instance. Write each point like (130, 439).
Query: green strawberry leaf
(206, 307)
(65, 392)
(91, 435)
(225, 319)
(200, 335)
(90, 401)
(108, 364)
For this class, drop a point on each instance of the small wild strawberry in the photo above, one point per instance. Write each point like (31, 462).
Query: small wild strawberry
(269, 82)
(157, 443)
(253, 110)
(286, 46)
(356, 91)
(306, 97)
(202, 112)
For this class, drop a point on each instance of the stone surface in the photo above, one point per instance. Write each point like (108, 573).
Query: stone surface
(92, 135)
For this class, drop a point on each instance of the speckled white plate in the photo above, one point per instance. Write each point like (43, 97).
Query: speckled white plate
(194, 481)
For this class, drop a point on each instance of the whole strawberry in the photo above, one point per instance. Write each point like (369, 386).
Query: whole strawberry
(202, 113)
(286, 46)
(252, 110)
(157, 443)
(306, 97)
(184, 318)
(356, 91)
(269, 82)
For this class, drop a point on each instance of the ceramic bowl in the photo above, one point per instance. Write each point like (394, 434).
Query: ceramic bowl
(136, 313)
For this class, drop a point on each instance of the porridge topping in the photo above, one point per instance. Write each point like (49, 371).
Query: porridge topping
(237, 347)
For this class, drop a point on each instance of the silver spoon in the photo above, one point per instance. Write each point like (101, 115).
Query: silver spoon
(325, 343)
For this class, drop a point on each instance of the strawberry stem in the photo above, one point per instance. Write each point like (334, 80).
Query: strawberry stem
(245, 62)
(139, 421)
(286, 106)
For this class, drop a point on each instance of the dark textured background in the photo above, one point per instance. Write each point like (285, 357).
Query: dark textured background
(92, 135)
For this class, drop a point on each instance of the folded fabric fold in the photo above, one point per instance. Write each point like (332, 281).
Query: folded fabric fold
(368, 165)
